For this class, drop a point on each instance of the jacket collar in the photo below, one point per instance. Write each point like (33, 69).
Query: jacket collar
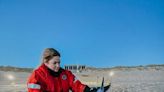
(51, 72)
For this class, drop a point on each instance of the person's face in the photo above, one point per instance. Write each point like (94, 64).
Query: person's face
(54, 63)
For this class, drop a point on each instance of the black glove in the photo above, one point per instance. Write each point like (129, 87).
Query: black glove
(88, 89)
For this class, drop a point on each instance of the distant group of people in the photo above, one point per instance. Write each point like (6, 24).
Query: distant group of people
(50, 77)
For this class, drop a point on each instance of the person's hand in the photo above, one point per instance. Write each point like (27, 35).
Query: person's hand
(88, 89)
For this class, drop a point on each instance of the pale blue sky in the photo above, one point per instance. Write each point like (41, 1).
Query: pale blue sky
(99, 33)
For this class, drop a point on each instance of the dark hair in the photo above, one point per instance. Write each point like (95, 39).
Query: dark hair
(48, 54)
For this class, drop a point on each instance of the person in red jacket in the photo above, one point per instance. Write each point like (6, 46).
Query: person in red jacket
(50, 77)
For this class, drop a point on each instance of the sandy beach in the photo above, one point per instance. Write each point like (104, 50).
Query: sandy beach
(122, 80)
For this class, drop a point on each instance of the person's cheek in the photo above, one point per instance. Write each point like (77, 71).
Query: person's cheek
(52, 66)
(57, 67)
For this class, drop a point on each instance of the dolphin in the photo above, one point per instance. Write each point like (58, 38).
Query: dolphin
(101, 89)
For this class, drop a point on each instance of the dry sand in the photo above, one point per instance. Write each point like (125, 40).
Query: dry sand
(133, 80)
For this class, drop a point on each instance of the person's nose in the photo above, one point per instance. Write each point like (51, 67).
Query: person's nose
(57, 65)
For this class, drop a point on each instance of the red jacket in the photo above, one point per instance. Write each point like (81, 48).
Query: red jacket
(41, 80)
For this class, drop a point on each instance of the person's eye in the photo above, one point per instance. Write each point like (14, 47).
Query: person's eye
(56, 62)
